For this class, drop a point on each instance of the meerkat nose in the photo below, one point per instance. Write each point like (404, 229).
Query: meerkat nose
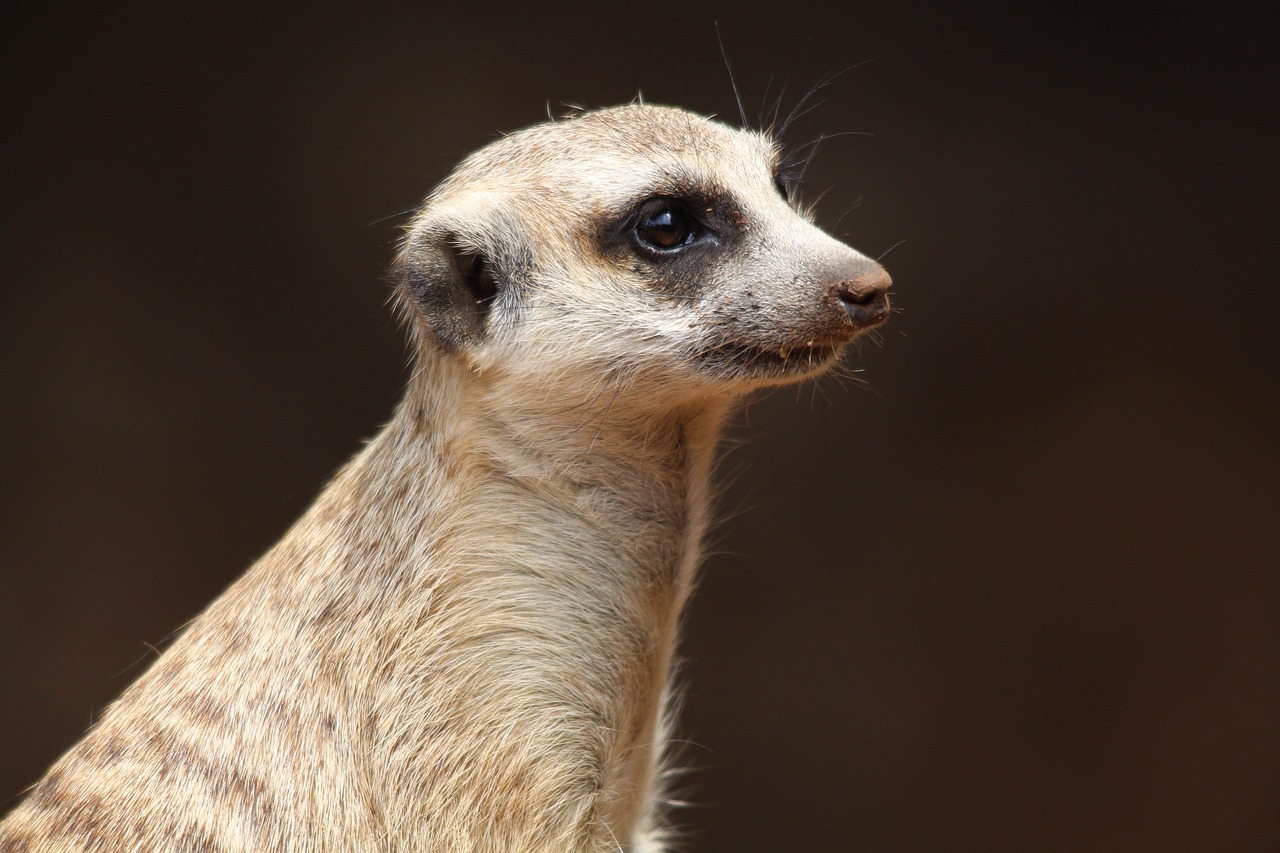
(865, 296)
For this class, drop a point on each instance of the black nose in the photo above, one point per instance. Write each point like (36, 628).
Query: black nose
(866, 297)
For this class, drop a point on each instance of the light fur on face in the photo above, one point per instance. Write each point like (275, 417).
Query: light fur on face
(464, 644)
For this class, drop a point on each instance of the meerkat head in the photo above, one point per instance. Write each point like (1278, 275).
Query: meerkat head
(640, 245)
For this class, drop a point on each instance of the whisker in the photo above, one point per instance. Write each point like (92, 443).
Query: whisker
(737, 96)
(890, 249)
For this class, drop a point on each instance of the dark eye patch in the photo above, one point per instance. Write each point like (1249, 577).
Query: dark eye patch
(672, 236)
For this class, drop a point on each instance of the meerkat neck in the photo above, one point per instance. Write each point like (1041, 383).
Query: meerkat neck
(633, 478)
(546, 571)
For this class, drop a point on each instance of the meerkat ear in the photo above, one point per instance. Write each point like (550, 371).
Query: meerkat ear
(451, 285)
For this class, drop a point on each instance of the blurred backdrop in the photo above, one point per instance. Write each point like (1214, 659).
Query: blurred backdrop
(1016, 589)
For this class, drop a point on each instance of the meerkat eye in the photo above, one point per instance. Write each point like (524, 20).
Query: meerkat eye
(665, 226)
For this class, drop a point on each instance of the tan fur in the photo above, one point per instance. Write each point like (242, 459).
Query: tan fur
(464, 644)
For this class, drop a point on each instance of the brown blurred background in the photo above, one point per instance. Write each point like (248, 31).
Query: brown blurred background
(1023, 594)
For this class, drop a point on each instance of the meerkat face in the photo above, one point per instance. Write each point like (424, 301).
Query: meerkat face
(643, 244)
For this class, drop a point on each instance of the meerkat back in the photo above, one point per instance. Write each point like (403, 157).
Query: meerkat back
(464, 644)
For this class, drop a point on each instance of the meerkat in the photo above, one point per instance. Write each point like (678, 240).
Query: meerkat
(465, 643)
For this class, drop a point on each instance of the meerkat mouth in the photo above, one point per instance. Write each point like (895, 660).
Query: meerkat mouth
(791, 360)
